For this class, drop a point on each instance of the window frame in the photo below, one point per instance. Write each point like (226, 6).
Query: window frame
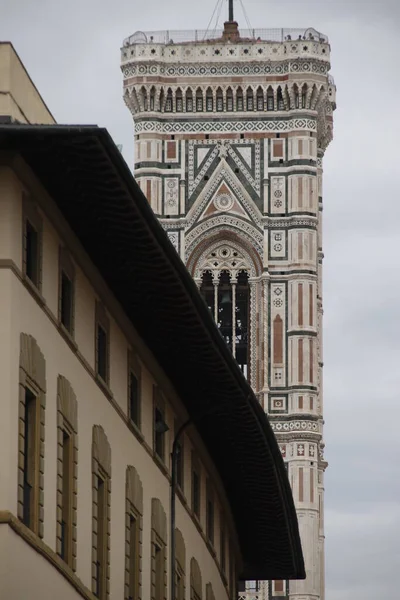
(31, 215)
(159, 405)
(196, 500)
(210, 513)
(31, 460)
(66, 267)
(134, 368)
(102, 321)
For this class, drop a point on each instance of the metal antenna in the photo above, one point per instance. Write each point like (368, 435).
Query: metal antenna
(230, 18)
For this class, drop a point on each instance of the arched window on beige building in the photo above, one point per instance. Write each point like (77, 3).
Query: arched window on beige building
(133, 536)
(101, 471)
(195, 581)
(67, 471)
(158, 551)
(32, 403)
(209, 592)
(180, 554)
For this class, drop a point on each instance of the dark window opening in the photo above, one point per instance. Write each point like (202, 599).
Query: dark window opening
(222, 552)
(196, 493)
(159, 433)
(210, 520)
(179, 465)
(32, 253)
(134, 398)
(159, 573)
(30, 459)
(66, 525)
(66, 311)
(100, 577)
(133, 558)
(102, 351)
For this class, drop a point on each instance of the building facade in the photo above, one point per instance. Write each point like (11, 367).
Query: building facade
(231, 128)
(101, 328)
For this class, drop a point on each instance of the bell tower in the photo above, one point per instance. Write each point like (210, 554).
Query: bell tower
(231, 128)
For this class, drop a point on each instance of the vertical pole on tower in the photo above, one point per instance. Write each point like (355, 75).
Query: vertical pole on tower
(230, 11)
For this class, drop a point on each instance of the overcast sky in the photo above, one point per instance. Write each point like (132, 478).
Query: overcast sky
(72, 49)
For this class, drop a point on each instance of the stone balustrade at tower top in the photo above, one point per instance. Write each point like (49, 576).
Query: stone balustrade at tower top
(251, 45)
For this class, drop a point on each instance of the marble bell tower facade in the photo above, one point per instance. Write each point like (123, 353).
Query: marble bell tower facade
(231, 128)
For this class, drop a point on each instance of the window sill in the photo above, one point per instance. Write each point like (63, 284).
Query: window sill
(160, 463)
(67, 337)
(135, 430)
(35, 291)
(104, 386)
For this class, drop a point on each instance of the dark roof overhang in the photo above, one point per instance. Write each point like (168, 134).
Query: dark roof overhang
(85, 174)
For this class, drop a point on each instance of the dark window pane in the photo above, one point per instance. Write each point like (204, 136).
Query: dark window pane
(133, 557)
(133, 398)
(102, 352)
(196, 493)
(210, 520)
(30, 458)
(66, 301)
(66, 497)
(179, 466)
(32, 253)
(159, 433)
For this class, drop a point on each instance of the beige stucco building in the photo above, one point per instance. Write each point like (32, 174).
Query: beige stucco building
(106, 348)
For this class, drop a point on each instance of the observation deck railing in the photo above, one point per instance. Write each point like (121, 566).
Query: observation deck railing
(204, 36)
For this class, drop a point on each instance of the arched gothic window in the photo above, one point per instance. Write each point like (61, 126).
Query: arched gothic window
(199, 100)
(168, 103)
(179, 101)
(296, 96)
(304, 96)
(220, 100)
(270, 99)
(239, 100)
(189, 101)
(260, 99)
(249, 99)
(152, 98)
(209, 101)
(229, 100)
(225, 288)
(280, 102)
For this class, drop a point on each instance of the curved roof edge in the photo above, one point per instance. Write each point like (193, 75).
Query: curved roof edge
(85, 174)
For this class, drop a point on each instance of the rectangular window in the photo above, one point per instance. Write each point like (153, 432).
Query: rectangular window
(196, 492)
(159, 572)
(239, 103)
(270, 103)
(102, 351)
(134, 398)
(229, 103)
(189, 104)
(199, 104)
(30, 460)
(101, 573)
(210, 515)
(179, 465)
(159, 433)
(32, 253)
(66, 302)
(260, 103)
(67, 489)
(250, 105)
(180, 584)
(222, 549)
(133, 558)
